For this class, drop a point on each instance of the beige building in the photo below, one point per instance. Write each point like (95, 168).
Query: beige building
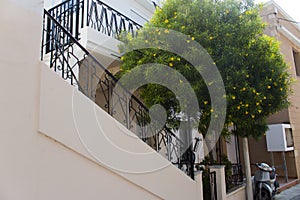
(281, 26)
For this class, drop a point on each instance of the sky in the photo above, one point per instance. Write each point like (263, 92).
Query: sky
(292, 7)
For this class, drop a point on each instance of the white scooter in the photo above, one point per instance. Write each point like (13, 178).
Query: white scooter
(264, 183)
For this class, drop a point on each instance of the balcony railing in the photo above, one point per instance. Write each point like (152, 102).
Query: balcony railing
(75, 14)
(74, 63)
(109, 21)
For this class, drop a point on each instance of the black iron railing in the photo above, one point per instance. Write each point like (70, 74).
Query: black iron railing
(109, 21)
(236, 177)
(209, 185)
(74, 63)
(75, 14)
(70, 14)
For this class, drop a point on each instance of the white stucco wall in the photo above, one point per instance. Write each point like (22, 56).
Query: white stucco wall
(70, 118)
(19, 57)
(239, 194)
(34, 167)
(37, 167)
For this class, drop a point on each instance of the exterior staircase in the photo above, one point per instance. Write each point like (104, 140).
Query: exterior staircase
(67, 56)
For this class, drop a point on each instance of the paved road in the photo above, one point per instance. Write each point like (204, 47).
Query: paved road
(292, 193)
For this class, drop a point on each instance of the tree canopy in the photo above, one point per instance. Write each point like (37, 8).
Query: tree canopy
(253, 70)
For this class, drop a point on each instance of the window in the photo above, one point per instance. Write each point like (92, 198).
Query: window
(289, 137)
(296, 55)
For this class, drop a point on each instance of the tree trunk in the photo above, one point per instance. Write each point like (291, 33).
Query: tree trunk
(249, 191)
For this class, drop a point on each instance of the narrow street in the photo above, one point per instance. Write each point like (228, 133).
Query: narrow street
(292, 193)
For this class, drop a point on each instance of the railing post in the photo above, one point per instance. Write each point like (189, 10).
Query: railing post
(127, 111)
(109, 98)
(191, 153)
(86, 8)
(169, 146)
(220, 180)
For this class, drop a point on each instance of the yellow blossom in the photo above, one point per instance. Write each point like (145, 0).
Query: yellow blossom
(248, 12)
(246, 112)
(247, 105)
(154, 54)
(146, 41)
(167, 31)
(257, 103)
(212, 110)
(172, 59)
(253, 116)
(269, 87)
(122, 58)
(205, 102)
(238, 107)
(171, 64)
(259, 111)
(193, 38)
(210, 37)
(188, 41)
(183, 27)
(178, 59)
(227, 11)
(233, 97)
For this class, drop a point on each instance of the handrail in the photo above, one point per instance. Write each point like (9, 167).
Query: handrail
(120, 14)
(78, 43)
(109, 21)
(64, 60)
(94, 14)
(91, 56)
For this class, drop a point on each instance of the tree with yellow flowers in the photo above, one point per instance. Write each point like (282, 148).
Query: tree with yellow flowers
(253, 70)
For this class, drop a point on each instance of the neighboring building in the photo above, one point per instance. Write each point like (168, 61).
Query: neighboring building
(281, 26)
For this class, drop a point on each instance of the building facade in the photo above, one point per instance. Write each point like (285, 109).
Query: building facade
(281, 26)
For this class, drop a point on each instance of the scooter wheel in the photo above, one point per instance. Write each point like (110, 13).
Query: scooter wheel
(263, 195)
